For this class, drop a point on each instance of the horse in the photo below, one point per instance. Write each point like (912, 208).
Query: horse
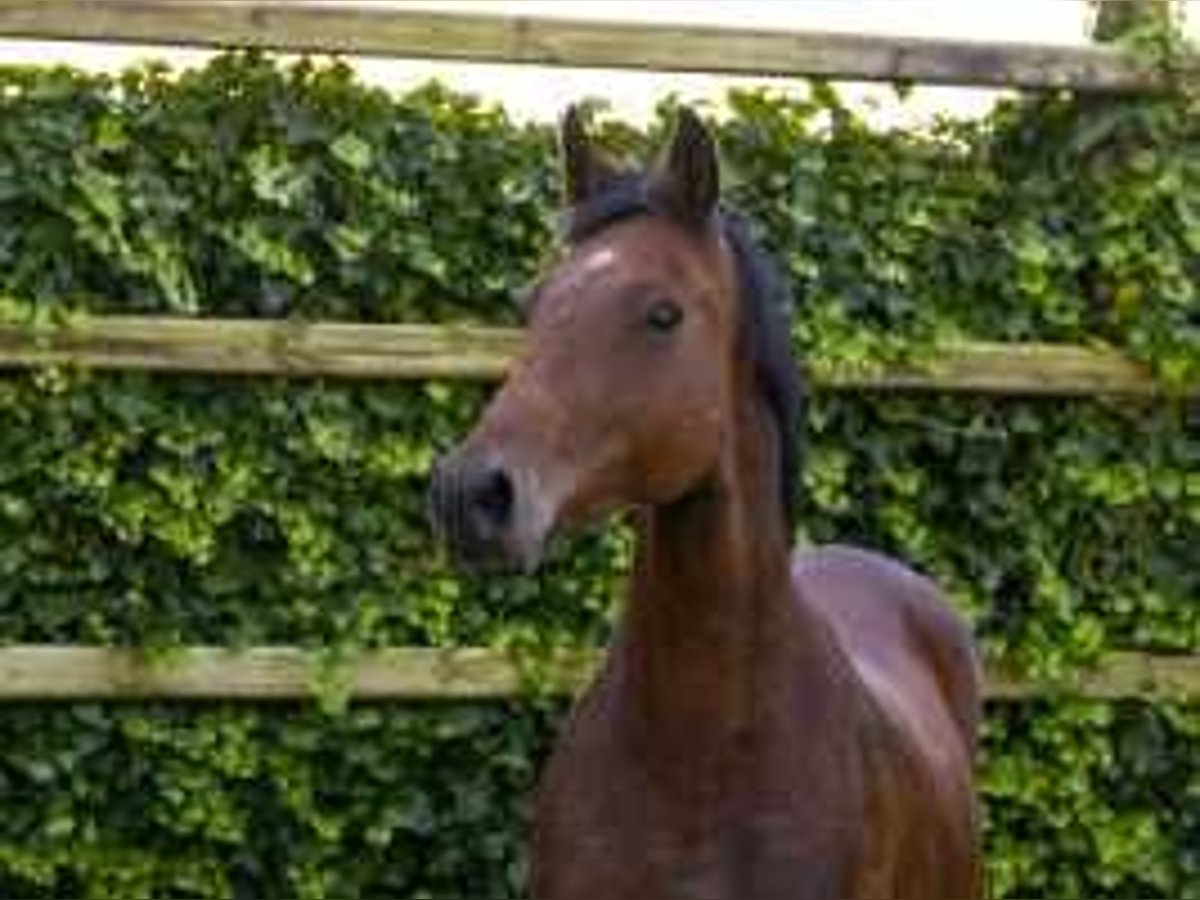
(763, 725)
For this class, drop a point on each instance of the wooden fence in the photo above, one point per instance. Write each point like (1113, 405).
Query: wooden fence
(299, 349)
(41, 672)
(344, 350)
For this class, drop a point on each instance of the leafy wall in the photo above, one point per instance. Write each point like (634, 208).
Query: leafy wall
(160, 511)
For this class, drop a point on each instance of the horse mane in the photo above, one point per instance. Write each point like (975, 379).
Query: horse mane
(766, 324)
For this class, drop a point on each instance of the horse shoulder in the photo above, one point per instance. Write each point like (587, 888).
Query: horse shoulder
(918, 668)
(895, 624)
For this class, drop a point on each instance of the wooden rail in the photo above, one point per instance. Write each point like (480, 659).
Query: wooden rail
(248, 347)
(42, 672)
(375, 29)
(245, 347)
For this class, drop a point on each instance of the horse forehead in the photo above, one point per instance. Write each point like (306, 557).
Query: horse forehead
(591, 267)
(638, 250)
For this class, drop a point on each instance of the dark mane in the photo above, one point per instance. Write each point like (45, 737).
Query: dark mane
(767, 323)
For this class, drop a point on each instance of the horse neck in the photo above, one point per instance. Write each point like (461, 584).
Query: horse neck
(713, 643)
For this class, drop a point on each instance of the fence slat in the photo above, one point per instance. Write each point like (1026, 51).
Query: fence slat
(1120, 676)
(374, 29)
(245, 347)
(340, 350)
(43, 672)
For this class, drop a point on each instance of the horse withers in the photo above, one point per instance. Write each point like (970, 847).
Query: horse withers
(763, 725)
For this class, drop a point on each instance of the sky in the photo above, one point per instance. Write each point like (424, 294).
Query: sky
(532, 92)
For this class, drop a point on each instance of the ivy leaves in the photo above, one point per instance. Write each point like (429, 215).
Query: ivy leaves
(157, 511)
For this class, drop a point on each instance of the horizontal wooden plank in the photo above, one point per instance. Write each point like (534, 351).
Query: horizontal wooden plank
(294, 349)
(1119, 676)
(1010, 369)
(247, 347)
(43, 673)
(263, 673)
(379, 29)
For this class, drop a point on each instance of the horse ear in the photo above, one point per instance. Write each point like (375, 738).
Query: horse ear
(686, 179)
(585, 169)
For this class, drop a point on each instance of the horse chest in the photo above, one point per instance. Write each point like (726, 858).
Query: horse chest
(610, 826)
(766, 857)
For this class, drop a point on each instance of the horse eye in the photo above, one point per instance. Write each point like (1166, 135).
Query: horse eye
(664, 315)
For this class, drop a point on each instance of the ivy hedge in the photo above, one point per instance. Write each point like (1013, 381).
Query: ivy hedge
(160, 511)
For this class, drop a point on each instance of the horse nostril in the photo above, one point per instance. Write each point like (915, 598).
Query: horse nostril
(491, 500)
(473, 502)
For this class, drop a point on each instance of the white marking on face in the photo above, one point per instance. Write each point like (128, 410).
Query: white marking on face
(598, 260)
(579, 275)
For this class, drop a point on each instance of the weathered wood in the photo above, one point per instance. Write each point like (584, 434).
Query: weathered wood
(245, 347)
(1011, 369)
(296, 349)
(42, 672)
(1119, 676)
(369, 28)
(262, 673)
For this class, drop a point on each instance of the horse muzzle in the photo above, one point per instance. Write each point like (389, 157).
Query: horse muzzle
(489, 515)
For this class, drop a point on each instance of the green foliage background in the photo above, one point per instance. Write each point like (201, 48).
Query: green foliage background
(164, 511)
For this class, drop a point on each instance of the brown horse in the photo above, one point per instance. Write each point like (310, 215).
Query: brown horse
(764, 725)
